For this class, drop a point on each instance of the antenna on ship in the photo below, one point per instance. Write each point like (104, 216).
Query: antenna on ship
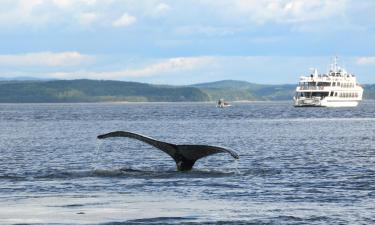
(331, 68)
(335, 64)
(315, 72)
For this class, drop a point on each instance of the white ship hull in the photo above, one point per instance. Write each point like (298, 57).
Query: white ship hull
(327, 102)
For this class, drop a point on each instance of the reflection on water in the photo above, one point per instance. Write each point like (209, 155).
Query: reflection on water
(297, 165)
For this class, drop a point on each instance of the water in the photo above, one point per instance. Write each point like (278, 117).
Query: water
(297, 165)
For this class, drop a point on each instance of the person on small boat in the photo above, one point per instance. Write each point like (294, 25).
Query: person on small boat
(221, 103)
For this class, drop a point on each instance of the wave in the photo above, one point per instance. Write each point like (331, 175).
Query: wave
(149, 173)
(155, 220)
(124, 172)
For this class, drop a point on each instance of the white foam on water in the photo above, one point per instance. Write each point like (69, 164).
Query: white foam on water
(115, 207)
(100, 208)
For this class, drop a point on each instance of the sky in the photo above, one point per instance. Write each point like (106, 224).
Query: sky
(185, 41)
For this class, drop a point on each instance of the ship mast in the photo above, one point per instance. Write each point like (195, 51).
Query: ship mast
(335, 64)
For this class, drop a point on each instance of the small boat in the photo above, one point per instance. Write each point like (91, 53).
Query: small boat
(222, 104)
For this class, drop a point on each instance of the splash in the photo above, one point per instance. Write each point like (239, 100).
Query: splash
(235, 166)
(97, 154)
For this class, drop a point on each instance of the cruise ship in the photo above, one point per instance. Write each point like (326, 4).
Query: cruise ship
(338, 88)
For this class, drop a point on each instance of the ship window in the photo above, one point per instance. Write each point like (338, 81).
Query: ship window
(334, 84)
(335, 93)
(338, 83)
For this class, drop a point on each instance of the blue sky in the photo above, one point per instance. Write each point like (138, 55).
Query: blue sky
(185, 41)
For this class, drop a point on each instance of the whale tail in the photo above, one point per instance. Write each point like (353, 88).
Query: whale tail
(185, 156)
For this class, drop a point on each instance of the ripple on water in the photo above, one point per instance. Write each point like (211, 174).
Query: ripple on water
(297, 166)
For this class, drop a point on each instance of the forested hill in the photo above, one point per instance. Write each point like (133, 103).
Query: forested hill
(105, 91)
(369, 91)
(94, 91)
(233, 90)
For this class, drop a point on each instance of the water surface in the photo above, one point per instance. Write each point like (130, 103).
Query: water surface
(297, 165)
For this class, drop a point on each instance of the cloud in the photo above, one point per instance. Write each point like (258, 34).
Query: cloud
(71, 3)
(370, 60)
(279, 11)
(45, 59)
(87, 18)
(161, 8)
(206, 30)
(194, 13)
(172, 65)
(124, 21)
(63, 3)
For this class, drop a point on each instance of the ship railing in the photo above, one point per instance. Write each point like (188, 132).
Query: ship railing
(311, 87)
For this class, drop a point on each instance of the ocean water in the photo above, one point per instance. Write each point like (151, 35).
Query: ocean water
(296, 166)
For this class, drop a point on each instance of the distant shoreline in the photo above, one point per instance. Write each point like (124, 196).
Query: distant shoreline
(151, 103)
(122, 92)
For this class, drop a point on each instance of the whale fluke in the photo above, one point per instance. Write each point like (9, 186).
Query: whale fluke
(184, 155)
